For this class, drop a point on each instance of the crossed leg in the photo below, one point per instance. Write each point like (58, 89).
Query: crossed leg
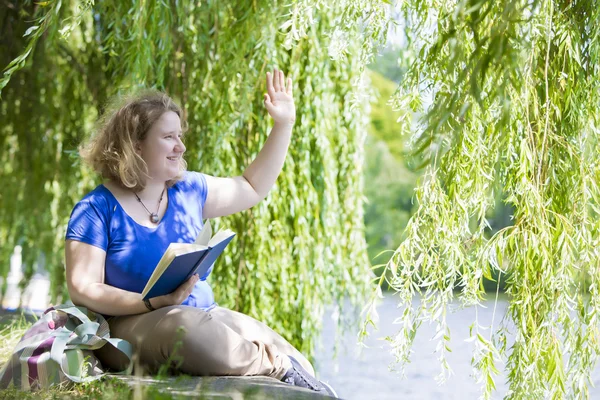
(218, 342)
(254, 330)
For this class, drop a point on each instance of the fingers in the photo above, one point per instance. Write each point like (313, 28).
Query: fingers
(188, 287)
(192, 281)
(268, 102)
(276, 83)
(181, 293)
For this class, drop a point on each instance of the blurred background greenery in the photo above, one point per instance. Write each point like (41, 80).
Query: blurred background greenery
(391, 176)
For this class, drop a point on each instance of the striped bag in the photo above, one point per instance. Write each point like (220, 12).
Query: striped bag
(58, 349)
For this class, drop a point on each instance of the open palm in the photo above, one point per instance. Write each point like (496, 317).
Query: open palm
(279, 98)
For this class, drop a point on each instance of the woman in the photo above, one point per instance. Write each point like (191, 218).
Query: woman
(118, 232)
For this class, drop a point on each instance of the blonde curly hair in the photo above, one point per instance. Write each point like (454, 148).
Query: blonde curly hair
(126, 121)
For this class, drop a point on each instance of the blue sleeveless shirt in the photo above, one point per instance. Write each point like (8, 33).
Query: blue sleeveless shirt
(133, 250)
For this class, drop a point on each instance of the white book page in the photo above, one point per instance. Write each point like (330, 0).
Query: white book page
(205, 234)
(178, 249)
(219, 237)
(204, 237)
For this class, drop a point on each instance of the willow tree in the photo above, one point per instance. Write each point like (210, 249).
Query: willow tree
(508, 94)
(302, 247)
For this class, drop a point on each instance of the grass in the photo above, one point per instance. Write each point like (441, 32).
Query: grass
(12, 328)
(105, 389)
(98, 390)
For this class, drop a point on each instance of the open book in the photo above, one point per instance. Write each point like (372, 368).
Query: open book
(182, 260)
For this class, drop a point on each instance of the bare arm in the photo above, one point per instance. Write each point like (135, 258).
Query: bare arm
(85, 282)
(230, 195)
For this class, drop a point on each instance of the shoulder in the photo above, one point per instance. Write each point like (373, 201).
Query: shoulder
(192, 180)
(99, 197)
(90, 219)
(193, 185)
(192, 177)
(98, 201)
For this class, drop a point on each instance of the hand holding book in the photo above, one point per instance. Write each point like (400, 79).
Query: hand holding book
(182, 261)
(178, 296)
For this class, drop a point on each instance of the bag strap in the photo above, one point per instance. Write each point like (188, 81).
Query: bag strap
(124, 347)
(62, 341)
(85, 337)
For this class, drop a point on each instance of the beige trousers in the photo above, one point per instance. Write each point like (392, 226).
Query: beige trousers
(215, 342)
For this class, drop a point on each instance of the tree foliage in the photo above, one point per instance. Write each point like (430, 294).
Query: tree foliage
(389, 185)
(514, 98)
(514, 95)
(302, 247)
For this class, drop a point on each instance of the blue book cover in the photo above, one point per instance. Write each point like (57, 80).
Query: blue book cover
(182, 260)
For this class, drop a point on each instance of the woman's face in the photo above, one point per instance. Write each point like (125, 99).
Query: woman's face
(162, 149)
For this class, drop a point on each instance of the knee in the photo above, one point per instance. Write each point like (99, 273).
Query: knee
(189, 336)
(179, 321)
(178, 329)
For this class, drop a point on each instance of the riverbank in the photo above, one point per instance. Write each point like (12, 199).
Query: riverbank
(363, 373)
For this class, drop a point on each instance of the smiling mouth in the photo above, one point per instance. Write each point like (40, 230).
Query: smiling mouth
(173, 158)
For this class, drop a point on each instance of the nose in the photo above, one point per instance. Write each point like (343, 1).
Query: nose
(180, 146)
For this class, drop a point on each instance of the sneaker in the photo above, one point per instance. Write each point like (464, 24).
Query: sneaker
(300, 377)
(329, 389)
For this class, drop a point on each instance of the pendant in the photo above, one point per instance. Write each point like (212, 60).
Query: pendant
(154, 218)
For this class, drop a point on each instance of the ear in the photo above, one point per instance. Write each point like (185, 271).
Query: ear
(137, 147)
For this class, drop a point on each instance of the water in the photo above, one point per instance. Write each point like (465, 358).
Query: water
(366, 375)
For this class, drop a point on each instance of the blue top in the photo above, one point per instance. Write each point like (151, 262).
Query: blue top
(133, 250)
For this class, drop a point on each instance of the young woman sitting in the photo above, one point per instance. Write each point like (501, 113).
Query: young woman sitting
(118, 232)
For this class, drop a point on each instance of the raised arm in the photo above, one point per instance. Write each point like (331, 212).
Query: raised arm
(230, 195)
(85, 282)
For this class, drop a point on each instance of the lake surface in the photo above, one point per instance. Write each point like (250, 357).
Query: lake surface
(366, 375)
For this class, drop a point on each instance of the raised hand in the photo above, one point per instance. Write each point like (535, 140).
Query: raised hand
(279, 99)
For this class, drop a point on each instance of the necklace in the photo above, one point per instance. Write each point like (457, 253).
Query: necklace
(153, 216)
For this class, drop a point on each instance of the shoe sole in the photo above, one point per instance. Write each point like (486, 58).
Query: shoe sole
(330, 389)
